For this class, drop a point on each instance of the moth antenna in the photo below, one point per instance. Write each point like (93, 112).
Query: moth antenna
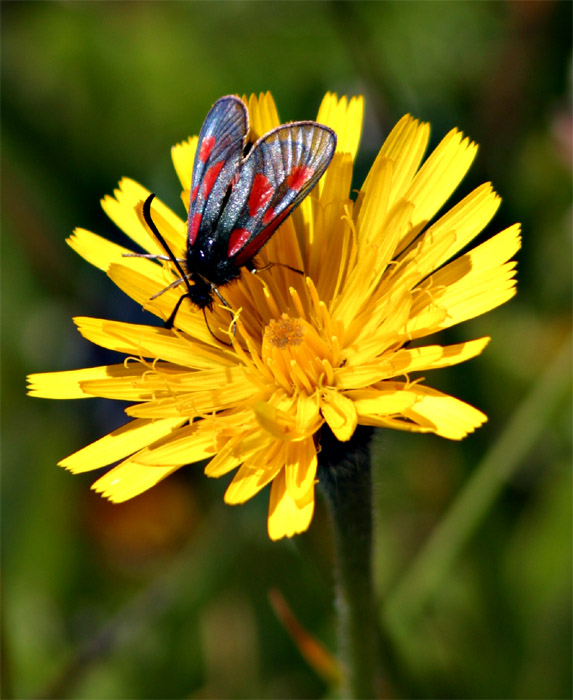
(149, 221)
(176, 261)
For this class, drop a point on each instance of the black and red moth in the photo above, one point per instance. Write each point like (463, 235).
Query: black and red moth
(239, 197)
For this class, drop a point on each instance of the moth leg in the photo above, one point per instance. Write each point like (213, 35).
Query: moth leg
(224, 342)
(171, 320)
(221, 297)
(170, 286)
(226, 305)
(253, 270)
(151, 256)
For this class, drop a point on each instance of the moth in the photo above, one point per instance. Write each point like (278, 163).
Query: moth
(240, 196)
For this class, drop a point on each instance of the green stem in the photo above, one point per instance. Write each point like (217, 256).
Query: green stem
(348, 487)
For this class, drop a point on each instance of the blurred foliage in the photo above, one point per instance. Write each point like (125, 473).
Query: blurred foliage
(167, 596)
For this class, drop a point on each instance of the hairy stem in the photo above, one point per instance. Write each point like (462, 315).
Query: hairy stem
(346, 479)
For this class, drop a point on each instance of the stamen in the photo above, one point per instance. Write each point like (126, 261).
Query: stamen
(300, 377)
(271, 301)
(297, 302)
(299, 358)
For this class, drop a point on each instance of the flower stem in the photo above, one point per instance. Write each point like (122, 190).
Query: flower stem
(348, 486)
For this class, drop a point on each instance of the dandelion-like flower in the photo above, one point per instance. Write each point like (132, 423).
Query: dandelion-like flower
(337, 346)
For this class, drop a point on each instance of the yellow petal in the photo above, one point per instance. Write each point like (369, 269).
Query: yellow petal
(141, 279)
(288, 517)
(129, 479)
(183, 446)
(465, 220)
(420, 259)
(390, 399)
(189, 393)
(69, 384)
(153, 342)
(125, 210)
(374, 204)
(230, 383)
(255, 474)
(444, 415)
(119, 444)
(227, 458)
(143, 283)
(435, 356)
(191, 405)
(470, 285)
(356, 289)
(171, 407)
(132, 384)
(381, 326)
(440, 175)
(361, 375)
(249, 442)
(396, 231)
(395, 423)
(279, 424)
(357, 375)
(340, 414)
(263, 115)
(404, 147)
(221, 464)
(308, 419)
(183, 156)
(96, 250)
(300, 465)
(345, 117)
(334, 194)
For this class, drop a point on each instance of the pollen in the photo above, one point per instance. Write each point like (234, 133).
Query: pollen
(299, 359)
(284, 331)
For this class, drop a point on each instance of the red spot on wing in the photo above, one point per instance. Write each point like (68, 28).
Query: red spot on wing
(194, 193)
(237, 240)
(298, 176)
(268, 215)
(276, 223)
(206, 148)
(260, 195)
(252, 248)
(210, 177)
(193, 228)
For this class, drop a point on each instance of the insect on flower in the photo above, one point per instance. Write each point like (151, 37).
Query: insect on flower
(334, 351)
(239, 197)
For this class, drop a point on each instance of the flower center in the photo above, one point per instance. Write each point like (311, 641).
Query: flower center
(298, 357)
(284, 331)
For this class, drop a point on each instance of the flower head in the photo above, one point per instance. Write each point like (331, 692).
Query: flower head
(338, 345)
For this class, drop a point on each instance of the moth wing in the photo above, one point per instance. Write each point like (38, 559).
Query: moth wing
(278, 173)
(219, 153)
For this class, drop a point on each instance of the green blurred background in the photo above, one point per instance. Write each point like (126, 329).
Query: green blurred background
(167, 596)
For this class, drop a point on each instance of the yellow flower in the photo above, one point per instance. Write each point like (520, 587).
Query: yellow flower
(339, 345)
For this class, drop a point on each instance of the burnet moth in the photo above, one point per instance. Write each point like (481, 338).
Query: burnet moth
(239, 197)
